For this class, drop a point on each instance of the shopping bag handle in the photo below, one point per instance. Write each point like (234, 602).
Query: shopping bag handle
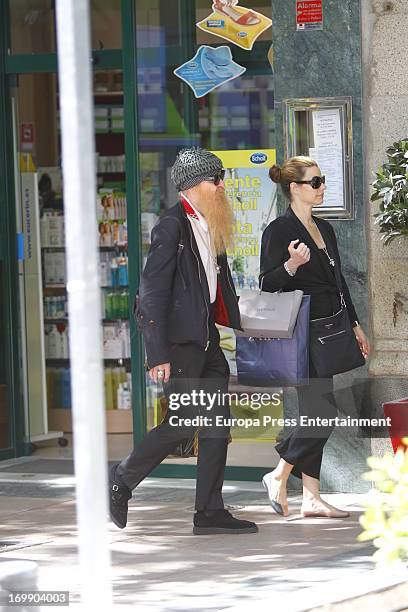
(261, 283)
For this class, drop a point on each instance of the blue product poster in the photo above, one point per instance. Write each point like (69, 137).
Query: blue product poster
(208, 69)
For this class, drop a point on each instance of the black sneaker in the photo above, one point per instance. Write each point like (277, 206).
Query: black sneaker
(119, 495)
(220, 521)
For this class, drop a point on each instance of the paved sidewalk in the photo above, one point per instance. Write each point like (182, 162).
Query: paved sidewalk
(157, 564)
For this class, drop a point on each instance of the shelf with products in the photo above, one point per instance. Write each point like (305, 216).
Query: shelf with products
(55, 286)
(105, 93)
(115, 332)
(111, 216)
(108, 94)
(117, 384)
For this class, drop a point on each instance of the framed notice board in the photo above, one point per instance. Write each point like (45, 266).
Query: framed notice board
(321, 128)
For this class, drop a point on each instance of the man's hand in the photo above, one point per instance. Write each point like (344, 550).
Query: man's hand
(154, 373)
(298, 255)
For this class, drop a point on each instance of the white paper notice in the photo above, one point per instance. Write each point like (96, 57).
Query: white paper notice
(330, 161)
(326, 128)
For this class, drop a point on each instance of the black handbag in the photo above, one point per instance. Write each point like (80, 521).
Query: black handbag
(333, 345)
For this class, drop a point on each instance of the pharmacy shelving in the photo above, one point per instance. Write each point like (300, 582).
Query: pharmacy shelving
(117, 362)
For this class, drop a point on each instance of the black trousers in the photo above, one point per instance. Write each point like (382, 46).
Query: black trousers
(303, 448)
(192, 368)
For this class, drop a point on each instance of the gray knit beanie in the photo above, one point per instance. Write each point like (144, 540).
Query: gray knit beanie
(192, 166)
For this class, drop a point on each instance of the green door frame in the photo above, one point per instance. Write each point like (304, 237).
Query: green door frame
(125, 59)
(8, 258)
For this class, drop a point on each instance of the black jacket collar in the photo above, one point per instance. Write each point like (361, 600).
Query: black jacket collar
(303, 233)
(307, 239)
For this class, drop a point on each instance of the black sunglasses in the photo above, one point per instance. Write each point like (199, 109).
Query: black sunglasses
(315, 182)
(217, 178)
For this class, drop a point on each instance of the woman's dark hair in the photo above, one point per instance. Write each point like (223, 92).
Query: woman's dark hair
(293, 169)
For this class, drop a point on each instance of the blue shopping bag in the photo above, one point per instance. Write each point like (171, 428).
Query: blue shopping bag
(266, 362)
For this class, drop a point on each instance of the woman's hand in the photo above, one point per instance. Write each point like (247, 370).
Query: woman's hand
(362, 340)
(298, 255)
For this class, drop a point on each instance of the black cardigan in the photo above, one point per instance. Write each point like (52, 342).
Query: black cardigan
(315, 278)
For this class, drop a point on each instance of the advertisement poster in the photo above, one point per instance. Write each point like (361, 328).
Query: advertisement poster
(237, 24)
(209, 69)
(253, 199)
(309, 15)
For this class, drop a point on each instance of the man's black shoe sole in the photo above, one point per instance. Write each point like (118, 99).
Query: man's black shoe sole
(215, 530)
(115, 522)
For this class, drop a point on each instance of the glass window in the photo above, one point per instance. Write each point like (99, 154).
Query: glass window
(106, 24)
(33, 25)
(45, 308)
(236, 114)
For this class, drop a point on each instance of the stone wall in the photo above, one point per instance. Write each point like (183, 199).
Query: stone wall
(385, 70)
(312, 64)
(359, 53)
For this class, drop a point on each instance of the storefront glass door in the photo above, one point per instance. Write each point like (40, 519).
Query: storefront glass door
(43, 299)
(206, 80)
(45, 322)
(147, 114)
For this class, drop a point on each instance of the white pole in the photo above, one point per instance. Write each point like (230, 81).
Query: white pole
(88, 408)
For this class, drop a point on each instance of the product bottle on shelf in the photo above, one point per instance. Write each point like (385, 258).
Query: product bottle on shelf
(109, 305)
(114, 273)
(108, 389)
(124, 300)
(116, 380)
(117, 305)
(65, 384)
(51, 391)
(52, 342)
(124, 397)
(123, 272)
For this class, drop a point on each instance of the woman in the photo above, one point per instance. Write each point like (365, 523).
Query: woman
(299, 251)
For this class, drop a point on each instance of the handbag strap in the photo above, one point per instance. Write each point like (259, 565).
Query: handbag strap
(336, 271)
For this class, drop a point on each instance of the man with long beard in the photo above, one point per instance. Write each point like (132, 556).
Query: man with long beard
(186, 288)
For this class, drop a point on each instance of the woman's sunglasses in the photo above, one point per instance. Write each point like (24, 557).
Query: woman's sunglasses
(315, 182)
(217, 178)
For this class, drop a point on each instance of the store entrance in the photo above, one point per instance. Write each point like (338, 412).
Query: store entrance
(43, 295)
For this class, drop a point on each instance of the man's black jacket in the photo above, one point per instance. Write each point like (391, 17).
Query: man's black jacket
(173, 304)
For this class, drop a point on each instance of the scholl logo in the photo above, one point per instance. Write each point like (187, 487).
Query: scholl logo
(242, 34)
(258, 158)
